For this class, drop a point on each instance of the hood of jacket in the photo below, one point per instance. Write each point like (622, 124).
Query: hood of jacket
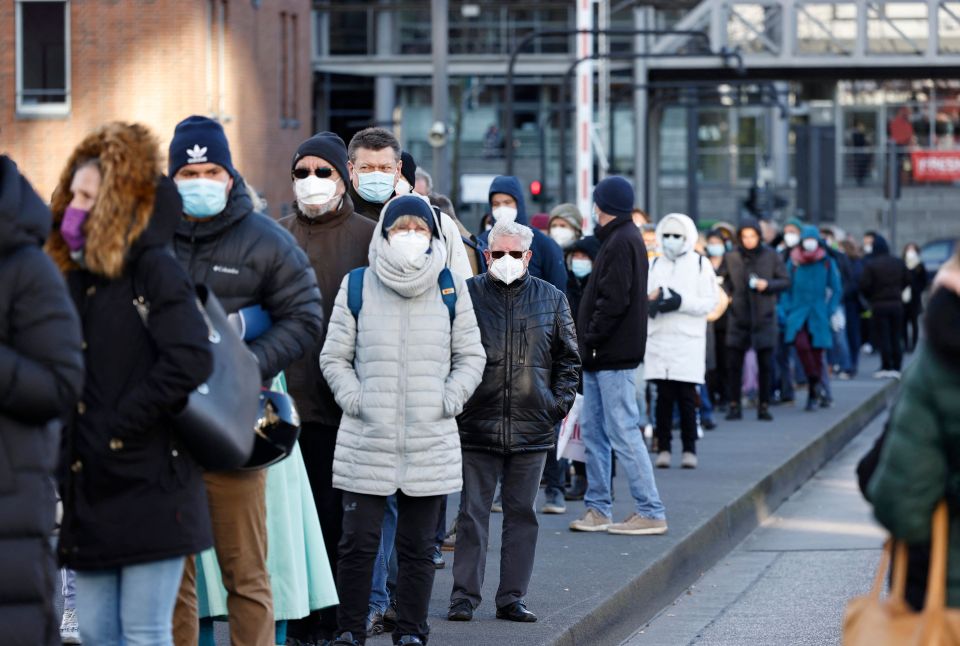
(689, 229)
(588, 245)
(24, 218)
(510, 185)
(239, 205)
(880, 245)
(129, 159)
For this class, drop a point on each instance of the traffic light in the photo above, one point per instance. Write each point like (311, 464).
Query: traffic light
(535, 188)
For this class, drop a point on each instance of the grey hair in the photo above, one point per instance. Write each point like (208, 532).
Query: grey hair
(373, 139)
(426, 176)
(512, 230)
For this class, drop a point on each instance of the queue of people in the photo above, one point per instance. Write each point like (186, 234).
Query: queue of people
(424, 361)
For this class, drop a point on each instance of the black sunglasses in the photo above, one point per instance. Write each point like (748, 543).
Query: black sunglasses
(304, 173)
(499, 254)
(679, 236)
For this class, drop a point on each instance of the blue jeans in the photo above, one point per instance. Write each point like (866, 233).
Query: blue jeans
(706, 405)
(839, 354)
(610, 420)
(131, 605)
(379, 596)
(642, 396)
(68, 588)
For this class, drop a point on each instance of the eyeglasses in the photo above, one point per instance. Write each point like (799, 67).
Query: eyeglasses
(304, 173)
(678, 236)
(496, 255)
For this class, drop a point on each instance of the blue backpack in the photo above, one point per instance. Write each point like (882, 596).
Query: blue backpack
(448, 291)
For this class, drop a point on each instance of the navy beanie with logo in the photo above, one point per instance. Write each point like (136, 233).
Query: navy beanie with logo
(614, 196)
(198, 140)
(327, 146)
(407, 205)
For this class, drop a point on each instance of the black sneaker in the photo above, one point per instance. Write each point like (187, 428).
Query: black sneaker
(460, 610)
(516, 611)
(763, 413)
(577, 488)
(734, 412)
(374, 622)
(410, 640)
(390, 617)
(345, 639)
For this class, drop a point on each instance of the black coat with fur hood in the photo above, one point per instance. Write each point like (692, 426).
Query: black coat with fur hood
(248, 259)
(41, 374)
(132, 494)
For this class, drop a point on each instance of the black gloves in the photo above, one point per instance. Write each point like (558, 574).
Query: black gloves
(668, 302)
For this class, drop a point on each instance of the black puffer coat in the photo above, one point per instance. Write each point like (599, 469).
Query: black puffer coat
(133, 494)
(248, 259)
(612, 319)
(41, 373)
(532, 371)
(752, 315)
(884, 276)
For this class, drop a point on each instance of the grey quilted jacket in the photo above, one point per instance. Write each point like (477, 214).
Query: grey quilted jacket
(401, 372)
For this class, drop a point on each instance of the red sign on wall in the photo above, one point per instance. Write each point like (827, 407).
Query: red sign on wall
(936, 165)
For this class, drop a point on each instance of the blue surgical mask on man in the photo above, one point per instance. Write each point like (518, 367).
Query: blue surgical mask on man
(202, 198)
(375, 186)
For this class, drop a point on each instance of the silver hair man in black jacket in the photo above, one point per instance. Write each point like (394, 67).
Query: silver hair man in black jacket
(507, 426)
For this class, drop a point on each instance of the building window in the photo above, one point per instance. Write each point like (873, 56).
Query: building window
(289, 50)
(43, 58)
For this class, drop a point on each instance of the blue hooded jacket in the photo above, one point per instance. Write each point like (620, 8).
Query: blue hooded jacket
(547, 262)
(815, 294)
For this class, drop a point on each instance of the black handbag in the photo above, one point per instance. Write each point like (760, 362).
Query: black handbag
(217, 424)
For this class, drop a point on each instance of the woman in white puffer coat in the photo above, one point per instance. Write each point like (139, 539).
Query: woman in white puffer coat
(402, 371)
(683, 291)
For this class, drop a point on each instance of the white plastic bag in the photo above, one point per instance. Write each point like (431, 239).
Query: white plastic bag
(569, 443)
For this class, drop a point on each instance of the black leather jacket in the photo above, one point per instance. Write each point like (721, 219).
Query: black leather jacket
(533, 366)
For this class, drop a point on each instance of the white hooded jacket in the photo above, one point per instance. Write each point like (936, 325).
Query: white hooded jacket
(677, 341)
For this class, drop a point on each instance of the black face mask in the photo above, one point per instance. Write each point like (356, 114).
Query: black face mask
(941, 322)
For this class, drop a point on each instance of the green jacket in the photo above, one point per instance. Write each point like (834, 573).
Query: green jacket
(920, 461)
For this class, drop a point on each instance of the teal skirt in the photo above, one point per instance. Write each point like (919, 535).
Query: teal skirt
(300, 574)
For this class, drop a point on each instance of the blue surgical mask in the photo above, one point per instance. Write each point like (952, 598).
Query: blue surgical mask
(716, 249)
(375, 186)
(581, 267)
(202, 198)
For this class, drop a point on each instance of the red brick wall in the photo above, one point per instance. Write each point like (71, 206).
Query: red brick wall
(141, 60)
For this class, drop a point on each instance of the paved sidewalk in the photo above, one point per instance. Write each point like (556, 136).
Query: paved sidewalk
(597, 588)
(790, 580)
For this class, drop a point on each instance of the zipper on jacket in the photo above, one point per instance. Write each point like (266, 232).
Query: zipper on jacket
(509, 376)
(523, 341)
(402, 408)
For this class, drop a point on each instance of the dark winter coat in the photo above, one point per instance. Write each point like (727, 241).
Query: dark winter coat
(41, 375)
(918, 283)
(752, 315)
(369, 210)
(132, 493)
(248, 259)
(918, 464)
(532, 370)
(612, 319)
(547, 261)
(884, 277)
(575, 286)
(334, 243)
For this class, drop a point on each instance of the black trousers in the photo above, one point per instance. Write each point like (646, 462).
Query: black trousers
(911, 328)
(683, 394)
(317, 443)
(887, 331)
(416, 532)
(552, 470)
(764, 365)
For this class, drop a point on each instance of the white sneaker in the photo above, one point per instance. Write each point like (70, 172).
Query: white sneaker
(893, 374)
(69, 627)
(663, 460)
(881, 374)
(648, 432)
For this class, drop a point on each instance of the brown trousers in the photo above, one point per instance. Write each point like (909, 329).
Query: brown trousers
(238, 512)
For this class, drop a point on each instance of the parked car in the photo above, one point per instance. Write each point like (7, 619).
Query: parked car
(936, 252)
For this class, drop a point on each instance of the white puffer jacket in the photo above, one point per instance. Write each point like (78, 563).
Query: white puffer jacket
(401, 373)
(677, 341)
